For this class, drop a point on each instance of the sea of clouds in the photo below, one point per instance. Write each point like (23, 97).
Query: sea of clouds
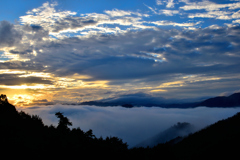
(133, 125)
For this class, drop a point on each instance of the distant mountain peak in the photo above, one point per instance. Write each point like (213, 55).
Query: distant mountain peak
(222, 101)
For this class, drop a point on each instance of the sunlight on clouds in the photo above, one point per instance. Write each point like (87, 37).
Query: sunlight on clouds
(187, 80)
(8, 55)
(13, 57)
(24, 86)
(169, 12)
(36, 74)
(25, 99)
(22, 99)
(9, 71)
(120, 13)
(170, 23)
(43, 93)
(78, 76)
(74, 81)
(58, 52)
(67, 83)
(158, 90)
(45, 16)
(101, 84)
(209, 6)
(26, 73)
(172, 84)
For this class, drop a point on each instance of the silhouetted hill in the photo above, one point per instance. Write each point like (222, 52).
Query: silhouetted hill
(142, 99)
(178, 130)
(129, 100)
(217, 141)
(230, 101)
(138, 100)
(24, 134)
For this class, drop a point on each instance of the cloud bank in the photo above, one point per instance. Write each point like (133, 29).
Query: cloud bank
(132, 125)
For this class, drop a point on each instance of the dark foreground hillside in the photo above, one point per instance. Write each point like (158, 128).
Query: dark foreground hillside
(25, 136)
(218, 141)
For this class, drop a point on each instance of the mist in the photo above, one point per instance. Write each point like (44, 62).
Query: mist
(132, 125)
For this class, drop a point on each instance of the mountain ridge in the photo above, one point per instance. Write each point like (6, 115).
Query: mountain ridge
(222, 101)
(148, 101)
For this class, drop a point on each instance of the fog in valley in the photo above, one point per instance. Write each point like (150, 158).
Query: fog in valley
(133, 125)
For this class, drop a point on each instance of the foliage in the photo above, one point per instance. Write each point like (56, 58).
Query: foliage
(3, 99)
(63, 122)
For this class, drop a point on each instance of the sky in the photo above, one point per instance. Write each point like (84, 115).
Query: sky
(74, 51)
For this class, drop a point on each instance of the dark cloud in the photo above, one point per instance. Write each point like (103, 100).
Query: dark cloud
(13, 79)
(20, 52)
(8, 34)
(36, 28)
(134, 57)
(27, 66)
(127, 50)
(34, 33)
(40, 100)
(73, 23)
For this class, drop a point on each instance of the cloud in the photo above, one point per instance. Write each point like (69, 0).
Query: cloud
(209, 6)
(145, 58)
(153, 10)
(169, 23)
(169, 3)
(132, 125)
(124, 51)
(159, 2)
(208, 9)
(45, 16)
(72, 23)
(222, 15)
(60, 22)
(8, 34)
(27, 66)
(224, 10)
(166, 12)
(13, 79)
(169, 12)
(118, 13)
(122, 13)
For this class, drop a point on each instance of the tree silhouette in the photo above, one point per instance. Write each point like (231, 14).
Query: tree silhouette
(63, 122)
(3, 99)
